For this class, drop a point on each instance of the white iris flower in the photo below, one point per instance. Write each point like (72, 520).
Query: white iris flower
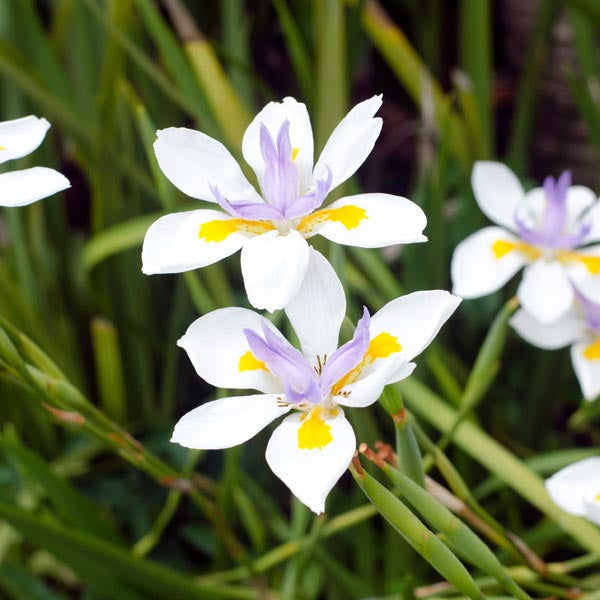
(542, 230)
(312, 447)
(271, 228)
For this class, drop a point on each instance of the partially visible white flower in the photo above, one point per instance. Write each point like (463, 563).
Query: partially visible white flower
(18, 138)
(576, 488)
(271, 228)
(542, 230)
(312, 447)
(578, 328)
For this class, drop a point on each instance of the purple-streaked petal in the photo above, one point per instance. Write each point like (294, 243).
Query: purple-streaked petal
(221, 200)
(285, 362)
(344, 359)
(256, 211)
(311, 201)
(280, 182)
(591, 310)
(555, 215)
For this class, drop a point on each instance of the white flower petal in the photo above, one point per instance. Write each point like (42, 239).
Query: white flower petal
(272, 116)
(402, 372)
(414, 320)
(173, 243)
(593, 216)
(193, 161)
(583, 268)
(367, 390)
(497, 191)
(350, 143)
(592, 511)
(20, 137)
(579, 199)
(227, 422)
(572, 486)
(273, 266)
(587, 370)
(545, 291)
(560, 333)
(477, 269)
(18, 188)
(318, 309)
(369, 221)
(310, 474)
(220, 353)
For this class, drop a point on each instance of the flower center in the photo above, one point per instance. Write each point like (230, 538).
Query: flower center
(280, 182)
(551, 231)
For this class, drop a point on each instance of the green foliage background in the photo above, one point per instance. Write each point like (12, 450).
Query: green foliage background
(87, 343)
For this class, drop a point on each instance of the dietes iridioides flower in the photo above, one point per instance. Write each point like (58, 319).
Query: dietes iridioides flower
(543, 230)
(312, 447)
(576, 488)
(578, 328)
(271, 228)
(18, 138)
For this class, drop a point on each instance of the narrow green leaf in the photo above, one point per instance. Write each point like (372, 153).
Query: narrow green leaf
(409, 455)
(411, 71)
(115, 239)
(158, 581)
(20, 585)
(496, 459)
(458, 533)
(176, 61)
(485, 368)
(476, 60)
(525, 111)
(72, 505)
(330, 68)
(431, 548)
(109, 371)
(299, 54)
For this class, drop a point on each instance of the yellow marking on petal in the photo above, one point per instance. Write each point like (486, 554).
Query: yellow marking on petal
(220, 229)
(314, 432)
(2, 148)
(248, 362)
(597, 498)
(295, 153)
(591, 263)
(349, 216)
(381, 346)
(501, 248)
(592, 352)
